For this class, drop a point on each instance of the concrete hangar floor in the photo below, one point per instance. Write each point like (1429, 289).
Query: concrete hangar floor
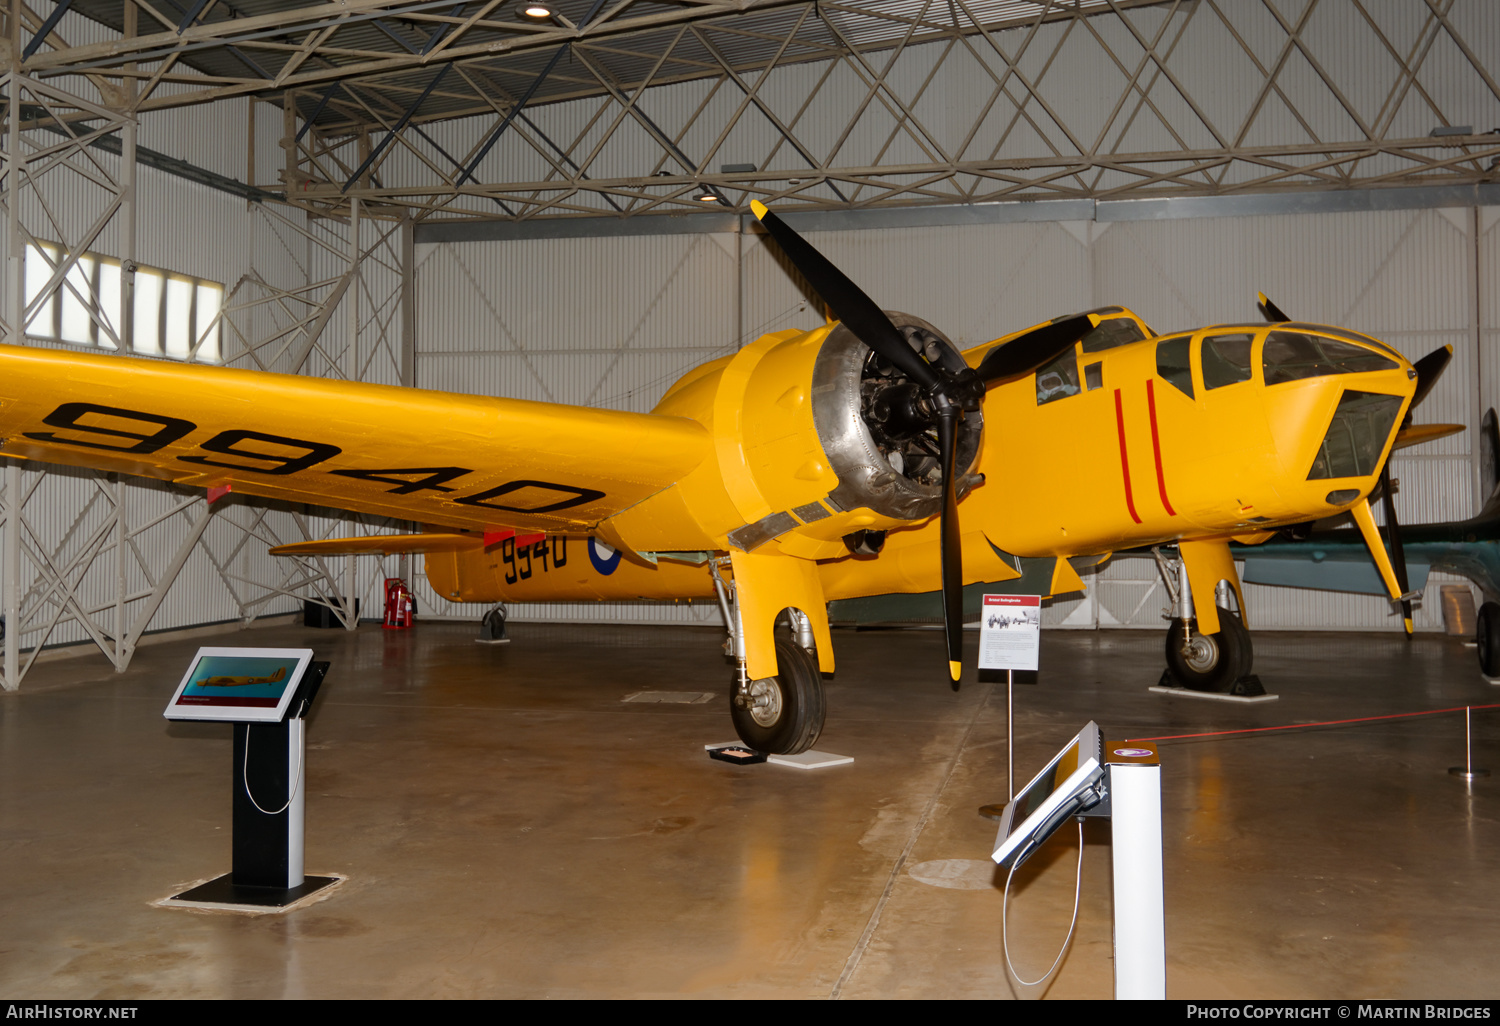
(509, 827)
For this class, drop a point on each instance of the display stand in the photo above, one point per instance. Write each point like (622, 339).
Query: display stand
(1123, 785)
(269, 769)
(1134, 775)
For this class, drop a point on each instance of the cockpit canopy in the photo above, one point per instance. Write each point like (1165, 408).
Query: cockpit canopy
(1294, 355)
(1226, 358)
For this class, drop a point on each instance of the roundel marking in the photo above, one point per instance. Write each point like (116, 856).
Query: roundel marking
(605, 559)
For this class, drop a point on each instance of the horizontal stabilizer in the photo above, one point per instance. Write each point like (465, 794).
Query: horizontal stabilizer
(382, 545)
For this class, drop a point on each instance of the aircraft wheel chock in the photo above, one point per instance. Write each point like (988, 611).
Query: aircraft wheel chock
(783, 714)
(1210, 662)
(1487, 636)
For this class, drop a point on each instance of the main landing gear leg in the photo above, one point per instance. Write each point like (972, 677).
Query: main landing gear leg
(1219, 662)
(782, 715)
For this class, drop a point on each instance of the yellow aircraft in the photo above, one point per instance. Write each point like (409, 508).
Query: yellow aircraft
(809, 467)
(240, 682)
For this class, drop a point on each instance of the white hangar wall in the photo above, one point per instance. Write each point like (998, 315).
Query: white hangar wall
(613, 321)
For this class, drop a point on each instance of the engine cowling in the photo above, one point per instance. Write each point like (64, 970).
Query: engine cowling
(815, 438)
(871, 425)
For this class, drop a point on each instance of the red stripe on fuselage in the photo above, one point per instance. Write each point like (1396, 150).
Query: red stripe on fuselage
(1124, 456)
(1161, 477)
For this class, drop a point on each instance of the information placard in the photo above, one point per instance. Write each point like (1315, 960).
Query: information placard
(1010, 632)
(239, 684)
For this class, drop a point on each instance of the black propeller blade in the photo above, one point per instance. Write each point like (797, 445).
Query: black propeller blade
(1269, 310)
(1037, 348)
(952, 544)
(1429, 369)
(948, 395)
(847, 301)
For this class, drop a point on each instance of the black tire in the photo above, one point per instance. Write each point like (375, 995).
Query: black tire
(1210, 662)
(792, 717)
(1487, 639)
(492, 627)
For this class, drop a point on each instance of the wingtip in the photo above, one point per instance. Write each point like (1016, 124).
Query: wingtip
(759, 209)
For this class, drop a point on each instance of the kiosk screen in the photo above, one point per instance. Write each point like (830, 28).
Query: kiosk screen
(1066, 785)
(239, 684)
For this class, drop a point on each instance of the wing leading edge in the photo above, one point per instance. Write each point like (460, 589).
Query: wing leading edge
(435, 457)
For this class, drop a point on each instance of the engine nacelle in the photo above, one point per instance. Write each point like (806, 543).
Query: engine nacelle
(815, 438)
(875, 437)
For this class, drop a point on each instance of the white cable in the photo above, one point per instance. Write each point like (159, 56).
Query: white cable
(1005, 905)
(245, 773)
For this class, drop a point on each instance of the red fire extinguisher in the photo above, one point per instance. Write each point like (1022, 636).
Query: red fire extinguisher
(398, 604)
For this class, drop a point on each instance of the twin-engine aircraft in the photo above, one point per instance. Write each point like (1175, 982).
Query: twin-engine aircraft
(867, 457)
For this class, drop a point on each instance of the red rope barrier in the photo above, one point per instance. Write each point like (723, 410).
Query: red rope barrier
(1322, 723)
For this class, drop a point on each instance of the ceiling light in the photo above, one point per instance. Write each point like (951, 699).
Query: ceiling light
(707, 196)
(536, 11)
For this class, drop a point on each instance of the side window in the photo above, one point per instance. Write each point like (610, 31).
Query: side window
(1173, 363)
(1058, 380)
(1226, 360)
(1117, 331)
(1093, 376)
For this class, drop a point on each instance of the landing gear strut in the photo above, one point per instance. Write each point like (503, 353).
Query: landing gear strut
(1217, 662)
(782, 715)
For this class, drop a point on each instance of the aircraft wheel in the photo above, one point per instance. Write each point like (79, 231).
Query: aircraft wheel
(1487, 635)
(1210, 662)
(784, 713)
(492, 627)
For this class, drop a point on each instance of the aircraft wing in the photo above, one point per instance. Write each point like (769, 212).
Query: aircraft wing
(434, 457)
(1332, 561)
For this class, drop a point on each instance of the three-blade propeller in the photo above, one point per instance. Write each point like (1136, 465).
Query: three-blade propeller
(947, 395)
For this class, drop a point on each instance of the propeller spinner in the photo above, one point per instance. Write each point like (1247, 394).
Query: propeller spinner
(943, 395)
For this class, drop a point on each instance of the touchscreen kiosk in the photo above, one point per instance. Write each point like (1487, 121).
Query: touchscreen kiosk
(242, 685)
(265, 693)
(1069, 784)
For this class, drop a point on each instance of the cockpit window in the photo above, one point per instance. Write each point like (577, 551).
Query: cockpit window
(1173, 364)
(1357, 436)
(1120, 331)
(1058, 380)
(1292, 356)
(1226, 360)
